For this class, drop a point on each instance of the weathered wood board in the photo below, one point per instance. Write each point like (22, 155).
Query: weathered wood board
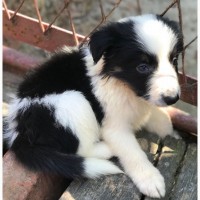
(110, 187)
(186, 183)
(168, 162)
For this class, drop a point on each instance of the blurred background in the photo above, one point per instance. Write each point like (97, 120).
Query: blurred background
(86, 15)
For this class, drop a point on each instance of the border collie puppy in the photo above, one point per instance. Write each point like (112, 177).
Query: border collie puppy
(83, 105)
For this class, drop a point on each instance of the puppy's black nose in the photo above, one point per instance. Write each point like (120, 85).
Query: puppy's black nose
(170, 100)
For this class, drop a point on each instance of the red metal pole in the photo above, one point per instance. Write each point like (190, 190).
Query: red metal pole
(27, 30)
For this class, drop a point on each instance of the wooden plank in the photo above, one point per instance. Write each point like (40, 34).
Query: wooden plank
(113, 187)
(169, 161)
(149, 142)
(186, 184)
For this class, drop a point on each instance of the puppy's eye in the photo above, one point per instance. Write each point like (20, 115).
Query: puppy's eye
(175, 63)
(143, 68)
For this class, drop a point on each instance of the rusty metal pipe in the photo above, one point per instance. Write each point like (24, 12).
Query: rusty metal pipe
(182, 120)
(19, 61)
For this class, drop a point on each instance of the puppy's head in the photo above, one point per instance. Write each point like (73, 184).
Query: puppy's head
(142, 52)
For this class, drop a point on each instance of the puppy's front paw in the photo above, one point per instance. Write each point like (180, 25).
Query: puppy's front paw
(151, 183)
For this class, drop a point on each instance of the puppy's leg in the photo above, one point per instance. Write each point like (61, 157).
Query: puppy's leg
(135, 162)
(101, 150)
(160, 123)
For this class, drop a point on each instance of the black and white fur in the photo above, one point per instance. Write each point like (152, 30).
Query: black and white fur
(106, 90)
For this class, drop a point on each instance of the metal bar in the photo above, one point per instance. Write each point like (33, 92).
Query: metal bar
(66, 4)
(39, 16)
(139, 9)
(27, 30)
(189, 89)
(187, 45)
(169, 7)
(6, 9)
(72, 27)
(18, 61)
(17, 10)
(103, 17)
(182, 120)
(181, 29)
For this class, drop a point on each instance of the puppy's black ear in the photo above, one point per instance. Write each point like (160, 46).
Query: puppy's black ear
(100, 41)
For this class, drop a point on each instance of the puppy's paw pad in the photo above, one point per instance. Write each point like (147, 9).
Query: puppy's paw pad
(153, 185)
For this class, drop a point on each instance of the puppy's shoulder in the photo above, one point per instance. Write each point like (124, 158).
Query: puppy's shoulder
(56, 75)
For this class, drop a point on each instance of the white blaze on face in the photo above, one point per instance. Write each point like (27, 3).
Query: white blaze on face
(158, 39)
(163, 85)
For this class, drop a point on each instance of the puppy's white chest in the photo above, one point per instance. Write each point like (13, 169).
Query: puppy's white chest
(122, 107)
(140, 120)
